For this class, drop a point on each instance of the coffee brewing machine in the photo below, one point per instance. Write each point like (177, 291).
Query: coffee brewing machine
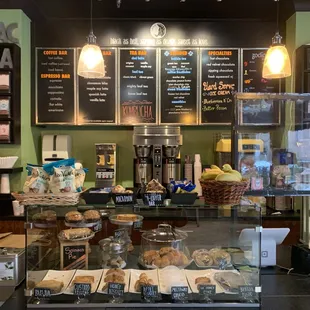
(157, 152)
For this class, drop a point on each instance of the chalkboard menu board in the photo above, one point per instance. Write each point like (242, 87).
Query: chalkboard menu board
(55, 86)
(252, 68)
(178, 92)
(219, 82)
(96, 97)
(137, 86)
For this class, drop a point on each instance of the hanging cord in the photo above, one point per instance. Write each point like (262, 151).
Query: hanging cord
(91, 15)
(278, 13)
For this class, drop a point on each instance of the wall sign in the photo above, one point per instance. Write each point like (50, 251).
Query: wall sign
(178, 86)
(55, 86)
(6, 33)
(137, 86)
(97, 97)
(252, 68)
(219, 82)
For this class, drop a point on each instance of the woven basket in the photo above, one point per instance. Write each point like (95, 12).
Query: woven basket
(63, 199)
(223, 192)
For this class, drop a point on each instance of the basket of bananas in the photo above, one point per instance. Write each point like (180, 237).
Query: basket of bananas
(223, 186)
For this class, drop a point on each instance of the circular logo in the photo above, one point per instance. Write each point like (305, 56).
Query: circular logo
(158, 30)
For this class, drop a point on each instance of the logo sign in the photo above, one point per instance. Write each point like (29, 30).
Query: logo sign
(6, 33)
(158, 30)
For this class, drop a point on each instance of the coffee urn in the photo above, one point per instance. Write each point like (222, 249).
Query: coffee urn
(157, 152)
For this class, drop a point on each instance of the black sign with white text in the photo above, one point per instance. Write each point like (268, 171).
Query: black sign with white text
(82, 289)
(178, 92)
(97, 96)
(219, 82)
(55, 87)
(137, 86)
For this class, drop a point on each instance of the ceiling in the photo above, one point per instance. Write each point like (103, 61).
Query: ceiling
(198, 9)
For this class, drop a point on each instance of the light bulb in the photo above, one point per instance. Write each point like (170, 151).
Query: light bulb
(277, 63)
(91, 63)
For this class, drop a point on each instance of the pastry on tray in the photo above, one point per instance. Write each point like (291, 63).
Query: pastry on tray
(92, 216)
(166, 256)
(46, 217)
(143, 280)
(74, 217)
(119, 189)
(127, 217)
(75, 233)
(220, 256)
(84, 279)
(202, 281)
(203, 258)
(114, 275)
(53, 285)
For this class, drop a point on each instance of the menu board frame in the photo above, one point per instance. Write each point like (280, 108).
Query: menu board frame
(198, 69)
(200, 81)
(119, 86)
(77, 112)
(74, 82)
(279, 109)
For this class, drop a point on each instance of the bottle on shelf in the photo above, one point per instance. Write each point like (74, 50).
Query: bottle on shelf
(197, 173)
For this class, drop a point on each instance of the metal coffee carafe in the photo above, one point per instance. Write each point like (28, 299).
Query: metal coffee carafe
(157, 151)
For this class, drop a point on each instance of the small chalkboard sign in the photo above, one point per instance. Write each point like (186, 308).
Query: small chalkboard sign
(247, 293)
(179, 293)
(116, 289)
(149, 292)
(42, 293)
(137, 225)
(82, 289)
(206, 290)
(120, 233)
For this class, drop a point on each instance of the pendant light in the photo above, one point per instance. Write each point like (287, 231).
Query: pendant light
(277, 62)
(91, 63)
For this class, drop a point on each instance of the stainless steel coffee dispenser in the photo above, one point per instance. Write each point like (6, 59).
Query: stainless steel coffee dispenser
(157, 152)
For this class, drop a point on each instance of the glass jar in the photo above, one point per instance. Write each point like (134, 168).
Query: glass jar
(112, 253)
(164, 246)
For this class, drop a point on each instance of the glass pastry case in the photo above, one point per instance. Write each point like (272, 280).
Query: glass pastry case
(142, 257)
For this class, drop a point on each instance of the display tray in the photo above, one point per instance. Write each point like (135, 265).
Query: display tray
(81, 225)
(113, 219)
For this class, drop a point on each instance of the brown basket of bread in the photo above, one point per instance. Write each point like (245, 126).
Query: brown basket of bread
(223, 186)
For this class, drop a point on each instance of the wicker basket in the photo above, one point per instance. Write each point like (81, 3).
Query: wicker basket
(62, 199)
(223, 192)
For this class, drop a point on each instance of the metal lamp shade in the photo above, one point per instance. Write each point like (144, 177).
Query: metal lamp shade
(91, 63)
(277, 63)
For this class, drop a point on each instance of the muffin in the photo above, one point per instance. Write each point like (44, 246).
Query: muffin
(74, 217)
(92, 216)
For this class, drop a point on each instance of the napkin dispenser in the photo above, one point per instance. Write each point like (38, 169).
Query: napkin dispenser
(12, 266)
(56, 147)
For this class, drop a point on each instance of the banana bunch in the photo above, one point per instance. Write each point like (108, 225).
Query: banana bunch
(226, 174)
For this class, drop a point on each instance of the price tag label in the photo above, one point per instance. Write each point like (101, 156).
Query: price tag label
(42, 293)
(82, 289)
(247, 293)
(98, 227)
(179, 293)
(120, 233)
(137, 225)
(116, 289)
(149, 292)
(206, 290)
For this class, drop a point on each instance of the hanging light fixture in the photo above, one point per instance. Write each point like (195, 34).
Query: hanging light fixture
(91, 63)
(277, 62)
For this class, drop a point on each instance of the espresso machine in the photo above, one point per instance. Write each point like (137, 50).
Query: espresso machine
(157, 152)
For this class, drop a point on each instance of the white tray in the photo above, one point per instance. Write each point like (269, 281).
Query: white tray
(171, 276)
(135, 274)
(102, 283)
(97, 275)
(63, 276)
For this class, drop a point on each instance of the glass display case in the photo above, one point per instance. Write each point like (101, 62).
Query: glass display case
(167, 257)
